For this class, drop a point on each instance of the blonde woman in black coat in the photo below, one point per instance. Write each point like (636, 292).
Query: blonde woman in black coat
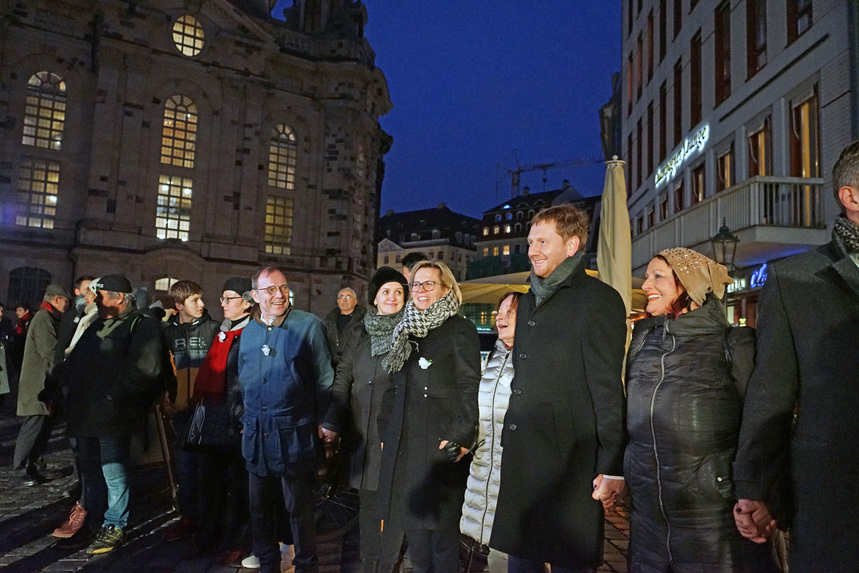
(429, 418)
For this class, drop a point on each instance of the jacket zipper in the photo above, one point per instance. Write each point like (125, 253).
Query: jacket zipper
(492, 446)
(656, 449)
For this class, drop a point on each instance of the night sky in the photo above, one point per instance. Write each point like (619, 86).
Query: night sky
(472, 80)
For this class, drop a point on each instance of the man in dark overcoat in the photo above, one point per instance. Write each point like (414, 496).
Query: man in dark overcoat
(800, 414)
(563, 434)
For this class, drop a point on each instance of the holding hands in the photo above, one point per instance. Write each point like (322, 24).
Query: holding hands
(754, 520)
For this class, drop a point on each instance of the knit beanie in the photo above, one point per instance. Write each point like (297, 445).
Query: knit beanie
(698, 274)
(382, 276)
(241, 285)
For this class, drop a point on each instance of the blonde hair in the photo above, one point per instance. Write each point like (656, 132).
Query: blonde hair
(447, 278)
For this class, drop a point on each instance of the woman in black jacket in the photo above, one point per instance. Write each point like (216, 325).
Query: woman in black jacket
(429, 418)
(687, 371)
(359, 384)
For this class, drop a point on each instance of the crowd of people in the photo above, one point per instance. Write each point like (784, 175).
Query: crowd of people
(722, 437)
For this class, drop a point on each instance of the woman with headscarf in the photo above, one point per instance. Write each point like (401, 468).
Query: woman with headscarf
(484, 480)
(686, 378)
(429, 419)
(359, 384)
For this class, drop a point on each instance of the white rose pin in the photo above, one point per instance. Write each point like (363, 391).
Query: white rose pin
(424, 363)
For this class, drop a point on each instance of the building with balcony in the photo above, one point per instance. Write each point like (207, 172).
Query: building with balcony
(188, 140)
(734, 113)
(439, 233)
(502, 244)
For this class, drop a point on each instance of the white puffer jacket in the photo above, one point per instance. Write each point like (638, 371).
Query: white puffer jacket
(478, 511)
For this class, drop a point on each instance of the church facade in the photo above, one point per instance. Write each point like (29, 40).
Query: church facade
(188, 140)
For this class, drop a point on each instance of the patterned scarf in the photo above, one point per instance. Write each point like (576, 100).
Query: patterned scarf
(380, 327)
(848, 232)
(417, 323)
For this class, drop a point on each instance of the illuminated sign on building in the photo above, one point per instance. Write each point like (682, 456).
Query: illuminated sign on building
(691, 145)
(744, 281)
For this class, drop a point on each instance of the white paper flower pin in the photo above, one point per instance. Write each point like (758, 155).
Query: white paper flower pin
(222, 336)
(424, 363)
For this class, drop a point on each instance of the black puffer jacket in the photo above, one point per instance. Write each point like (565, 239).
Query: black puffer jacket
(686, 379)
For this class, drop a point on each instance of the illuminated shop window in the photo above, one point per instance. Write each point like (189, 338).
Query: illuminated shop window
(173, 211)
(45, 111)
(38, 182)
(164, 284)
(188, 35)
(179, 132)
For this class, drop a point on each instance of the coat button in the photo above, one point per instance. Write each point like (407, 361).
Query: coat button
(513, 427)
(264, 380)
(425, 395)
(269, 329)
(522, 356)
(264, 408)
(517, 391)
(265, 435)
(532, 323)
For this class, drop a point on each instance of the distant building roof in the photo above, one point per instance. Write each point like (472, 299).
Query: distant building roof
(439, 223)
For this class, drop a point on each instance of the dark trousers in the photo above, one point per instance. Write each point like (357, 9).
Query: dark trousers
(108, 486)
(298, 498)
(189, 478)
(30, 445)
(93, 487)
(519, 565)
(433, 550)
(380, 550)
(225, 517)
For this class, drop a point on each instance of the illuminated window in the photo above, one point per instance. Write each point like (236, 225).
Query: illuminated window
(759, 151)
(506, 250)
(506, 228)
(804, 142)
(179, 132)
(164, 284)
(278, 225)
(725, 175)
(38, 180)
(45, 111)
(281, 157)
(188, 35)
(698, 184)
(494, 251)
(485, 231)
(485, 251)
(496, 229)
(173, 211)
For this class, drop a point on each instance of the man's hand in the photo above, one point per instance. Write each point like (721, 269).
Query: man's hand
(327, 436)
(754, 520)
(608, 491)
(167, 407)
(455, 452)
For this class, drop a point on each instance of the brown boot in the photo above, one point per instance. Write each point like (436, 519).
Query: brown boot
(73, 524)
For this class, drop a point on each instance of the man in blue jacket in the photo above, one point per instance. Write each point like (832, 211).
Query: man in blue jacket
(286, 376)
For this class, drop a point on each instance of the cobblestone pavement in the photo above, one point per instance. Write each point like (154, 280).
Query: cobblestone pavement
(28, 515)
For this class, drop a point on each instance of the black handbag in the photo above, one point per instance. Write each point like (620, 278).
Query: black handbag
(211, 427)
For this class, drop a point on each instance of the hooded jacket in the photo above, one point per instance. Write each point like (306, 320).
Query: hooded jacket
(685, 385)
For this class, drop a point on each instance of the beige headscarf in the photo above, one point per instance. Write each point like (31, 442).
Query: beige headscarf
(698, 274)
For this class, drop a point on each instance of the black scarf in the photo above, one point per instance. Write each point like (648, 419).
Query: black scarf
(848, 233)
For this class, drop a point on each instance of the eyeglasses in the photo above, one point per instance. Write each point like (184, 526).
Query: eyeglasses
(345, 297)
(270, 290)
(426, 285)
(227, 299)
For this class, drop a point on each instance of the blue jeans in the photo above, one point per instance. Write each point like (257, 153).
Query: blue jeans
(111, 453)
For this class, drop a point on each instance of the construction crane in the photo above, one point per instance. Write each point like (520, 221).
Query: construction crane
(515, 174)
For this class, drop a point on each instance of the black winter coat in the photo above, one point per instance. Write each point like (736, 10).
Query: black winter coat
(337, 339)
(112, 379)
(684, 401)
(808, 371)
(360, 383)
(564, 424)
(432, 400)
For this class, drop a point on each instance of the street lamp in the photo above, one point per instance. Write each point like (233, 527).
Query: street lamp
(725, 246)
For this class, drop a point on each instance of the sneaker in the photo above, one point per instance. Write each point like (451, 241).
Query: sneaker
(179, 529)
(250, 562)
(108, 539)
(72, 524)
